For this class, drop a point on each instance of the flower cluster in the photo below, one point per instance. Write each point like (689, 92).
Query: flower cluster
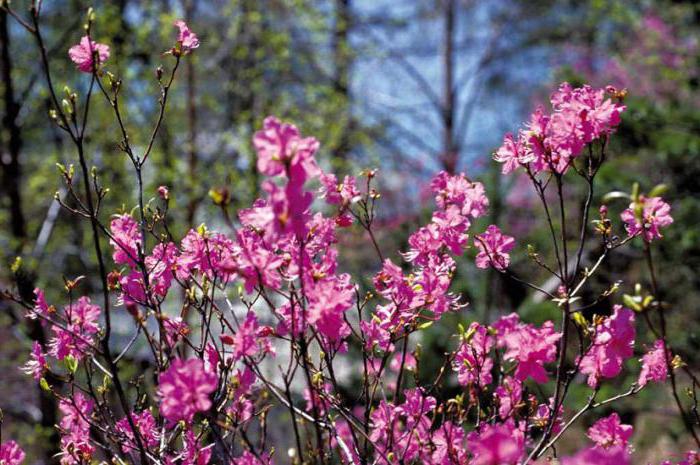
(551, 142)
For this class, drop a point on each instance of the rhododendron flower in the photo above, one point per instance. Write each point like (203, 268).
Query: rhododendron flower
(613, 343)
(11, 453)
(126, 240)
(84, 52)
(146, 426)
(610, 432)
(598, 456)
(75, 429)
(282, 151)
(499, 444)
(493, 248)
(187, 39)
(76, 338)
(248, 458)
(468, 196)
(647, 217)
(184, 390)
(249, 340)
(329, 299)
(512, 154)
(529, 346)
(472, 362)
(508, 395)
(37, 365)
(654, 366)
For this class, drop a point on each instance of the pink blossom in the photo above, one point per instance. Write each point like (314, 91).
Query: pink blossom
(187, 39)
(164, 192)
(493, 248)
(80, 328)
(472, 362)
(598, 456)
(531, 348)
(508, 395)
(612, 344)
(498, 444)
(647, 217)
(610, 432)
(75, 429)
(83, 53)
(126, 239)
(249, 340)
(468, 196)
(329, 299)
(11, 453)
(283, 151)
(512, 154)
(449, 441)
(184, 389)
(248, 458)
(146, 426)
(37, 365)
(41, 308)
(338, 194)
(654, 366)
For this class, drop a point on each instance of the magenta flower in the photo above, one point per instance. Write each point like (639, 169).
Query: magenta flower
(499, 444)
(329, 299)
(283, 151)
(84, 52)
(37, 365)
(493, 248)
(647, 217)
(184, 390)
(468, 196)
(610, 432)
(531, 348)
(11, 453)
(145, 424)
(80, 328)
(188, 40)
(126, 239)
(613, 343)
(654, 366)
(41, 308)
(598, 456)
(472, 362)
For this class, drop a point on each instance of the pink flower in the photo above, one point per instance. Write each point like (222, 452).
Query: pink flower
(654, 366)
(598, 456)
(163, 192)
(37, 365)
(83, 53)
(249, 340)
(329, 299)
(508, 395)
(530, 347)
(493, 248)
(41, 308)
(184, 390)
(146, 426)
(126, 239)
(512, 154)
(610, 432)
(248, 458)
(472, 362)
(499, 444)
(11, 453)
(282, 151)
(469, 197)
(338, 194)
(80, 328)
(188, 40)
(647, 217)
(612, 344)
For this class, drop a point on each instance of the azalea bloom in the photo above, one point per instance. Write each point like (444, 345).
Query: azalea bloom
(610, 432)
(146, 426)
(471, 361)
(184, 390)
(493, 248)
(613, 343)
(84, 53)
(37, 365)
(188, 40)
(654, 366)
(598, 456)
(499, 444)
(647, 217)
(11, 453)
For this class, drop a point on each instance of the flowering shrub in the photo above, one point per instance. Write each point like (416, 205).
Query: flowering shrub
(242, 324)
